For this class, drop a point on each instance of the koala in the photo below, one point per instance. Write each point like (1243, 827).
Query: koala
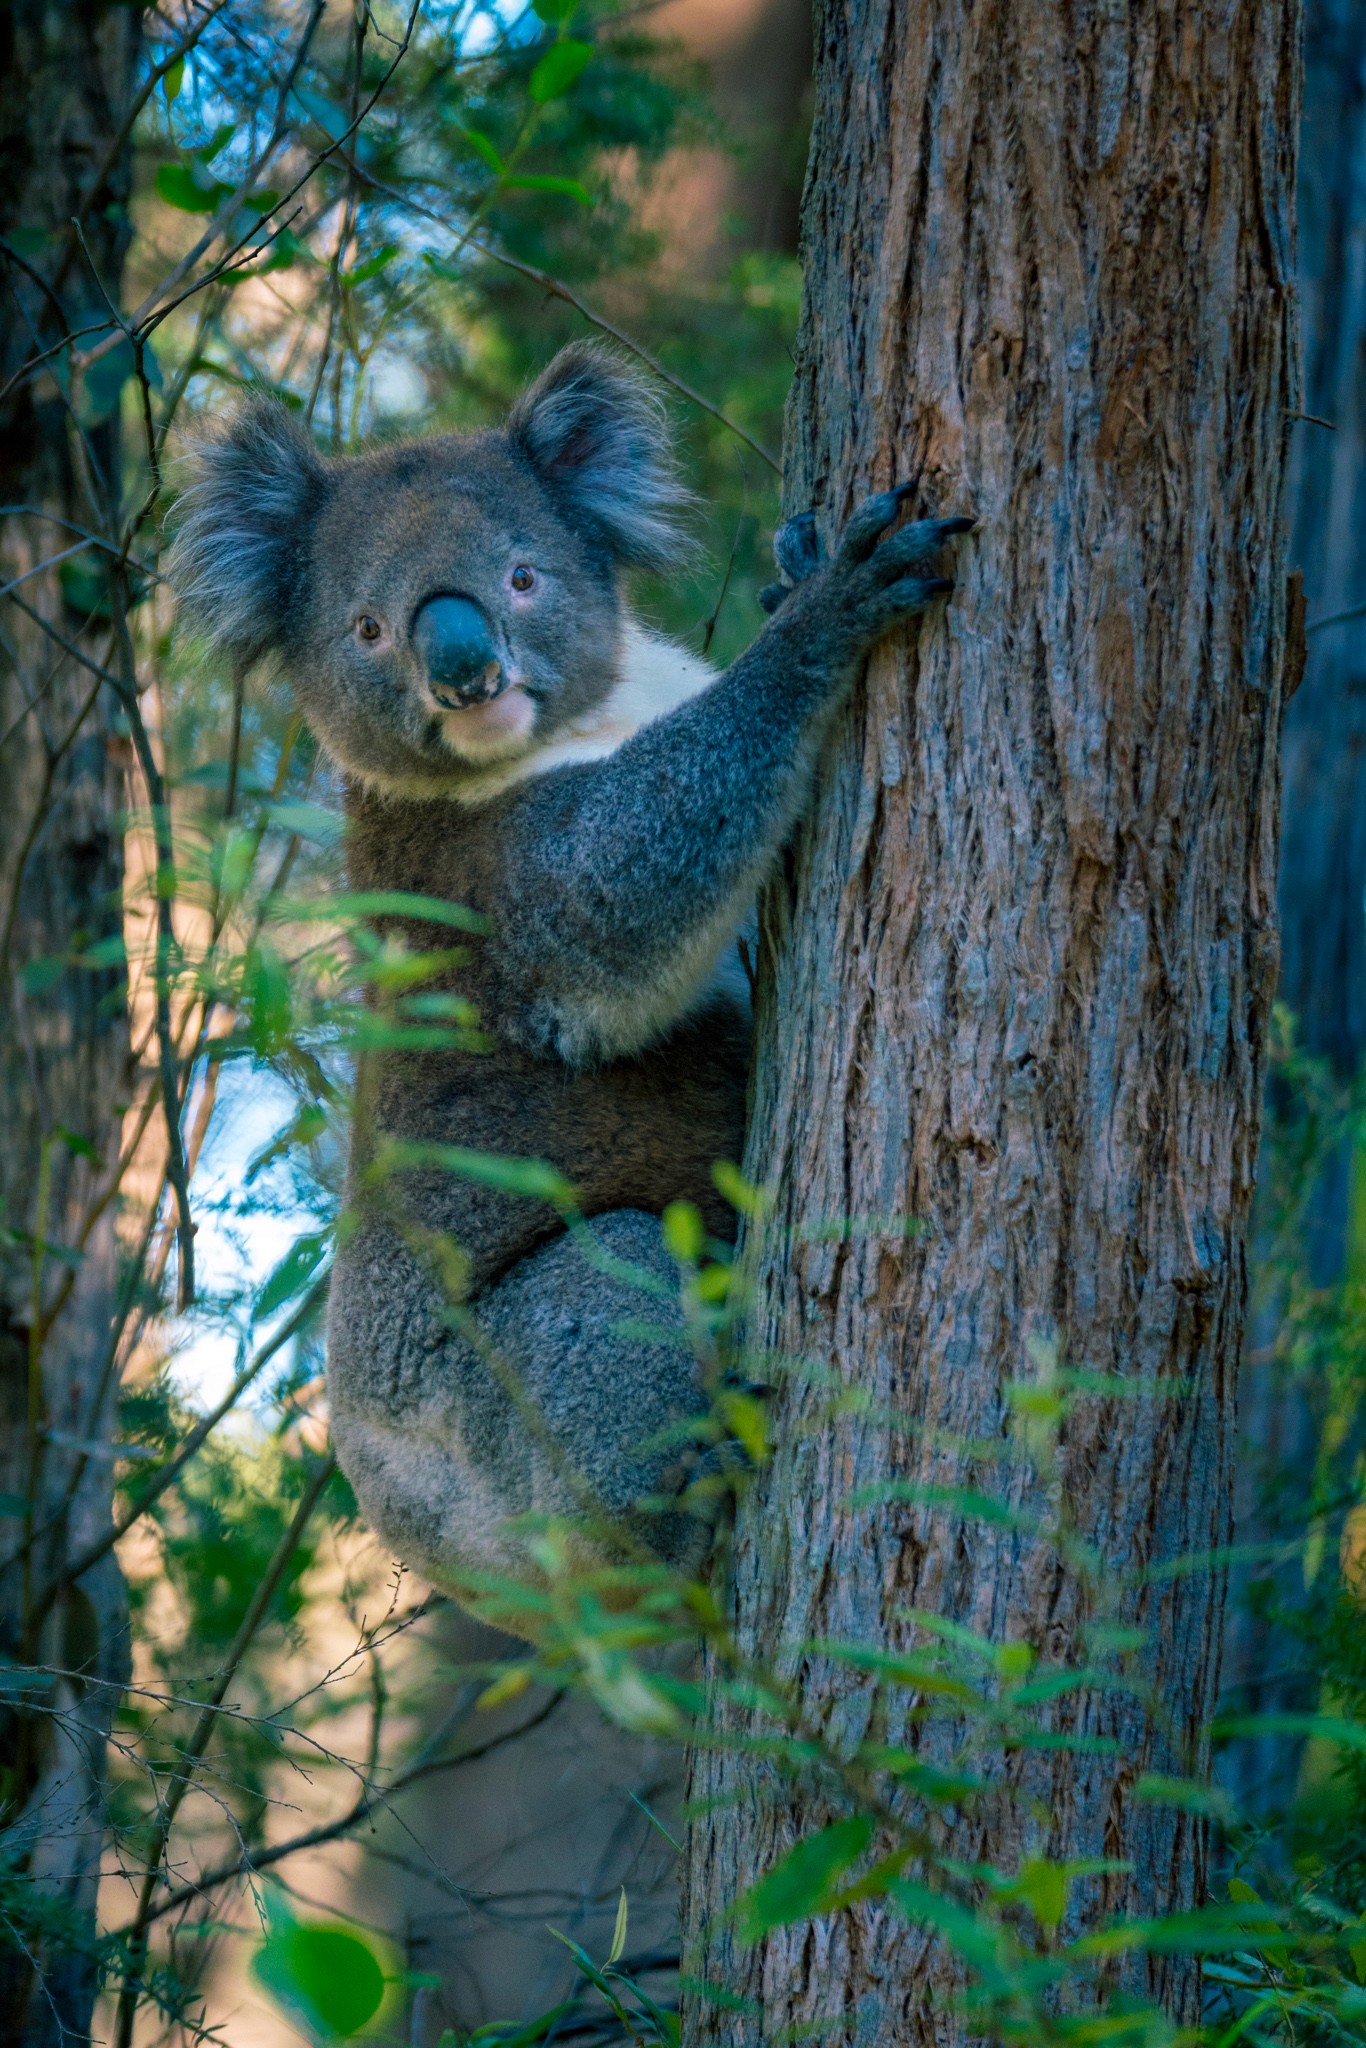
(451, 617)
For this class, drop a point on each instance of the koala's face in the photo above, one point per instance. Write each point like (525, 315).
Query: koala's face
(449, 612)
(444, 604)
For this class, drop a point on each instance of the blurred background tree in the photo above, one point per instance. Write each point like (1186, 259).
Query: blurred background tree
(1300, 1438)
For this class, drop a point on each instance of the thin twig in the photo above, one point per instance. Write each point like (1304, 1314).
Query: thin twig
(177, 1171)
(331, 1831)
(559, 290)
(136, 1952)
(1356, 611)
(173, 1467)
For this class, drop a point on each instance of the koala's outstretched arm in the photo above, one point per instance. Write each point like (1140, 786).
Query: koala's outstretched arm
(630, 874)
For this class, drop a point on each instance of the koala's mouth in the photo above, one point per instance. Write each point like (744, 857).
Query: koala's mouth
(490, 729)
(490, 682)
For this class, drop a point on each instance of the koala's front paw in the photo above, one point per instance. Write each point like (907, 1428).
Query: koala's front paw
(876, 582)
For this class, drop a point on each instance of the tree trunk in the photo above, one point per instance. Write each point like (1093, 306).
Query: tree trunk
(1323, 878)
(1018, 974)
(64, 1053)
(1322, 882)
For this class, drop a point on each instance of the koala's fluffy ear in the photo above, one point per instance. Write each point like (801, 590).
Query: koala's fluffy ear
(237, 556)
(599, 436)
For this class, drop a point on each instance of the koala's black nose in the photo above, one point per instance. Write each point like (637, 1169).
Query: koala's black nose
(455, 645)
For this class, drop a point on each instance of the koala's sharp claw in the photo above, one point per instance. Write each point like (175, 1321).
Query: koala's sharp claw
(797, 548)
(871, 519)
(911, 594)
(772, 595)
(913, 547)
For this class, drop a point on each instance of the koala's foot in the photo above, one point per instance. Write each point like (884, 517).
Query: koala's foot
(874, 582)
(874, 577)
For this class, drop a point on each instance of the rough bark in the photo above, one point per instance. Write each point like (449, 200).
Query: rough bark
(64, 1054)
(1018, 973)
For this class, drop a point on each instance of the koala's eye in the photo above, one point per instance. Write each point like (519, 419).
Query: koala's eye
(368, 628)
(522, 578)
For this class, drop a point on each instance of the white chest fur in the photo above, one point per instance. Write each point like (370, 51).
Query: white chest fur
(655, 676)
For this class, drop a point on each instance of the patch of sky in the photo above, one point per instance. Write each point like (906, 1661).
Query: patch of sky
(247, 1224)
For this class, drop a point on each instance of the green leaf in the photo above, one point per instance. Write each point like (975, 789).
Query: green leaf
(306, 1127)
(1317, 1727)
(502, 2034)
(1042, 1884)
(43, 973)
(325, 1976)
(282, 254)
(558, 69)
(747, 1420)
(1207, 1930)
(173, 79)
(568, 188)
(553, 12)
(385, 903)
(190, 188)
(481, 145)
(1187, 1793)
(684, 1234)
(222, 135)
(618, 1948)
(533, 1177)
(268, 1000)
(85, 588)
(293, 1273)
(731, 1184)
(911, 1669)
(372, 1034)
(1357, 1951)
(74, 1142)
(310, 821)
(372, 266)
(975, 1940)
(796, 1886)
(106, 952)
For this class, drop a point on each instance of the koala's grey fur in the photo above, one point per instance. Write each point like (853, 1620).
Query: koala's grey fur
(612, 811)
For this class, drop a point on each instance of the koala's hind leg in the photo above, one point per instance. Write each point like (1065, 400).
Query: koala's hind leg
(440, 1453)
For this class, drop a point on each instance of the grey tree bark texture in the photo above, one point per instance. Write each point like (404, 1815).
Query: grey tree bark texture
(1017, 976)
(64, 1050)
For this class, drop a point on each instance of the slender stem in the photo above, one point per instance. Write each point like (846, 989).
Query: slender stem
(198, 1743)
(364, 1804)
(35, 1373)
(93, 1552)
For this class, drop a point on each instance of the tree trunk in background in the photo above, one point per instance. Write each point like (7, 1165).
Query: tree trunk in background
(1323, 867)
(64, 1054)
(758, 57)
(1323, 874)
(1019, 973)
